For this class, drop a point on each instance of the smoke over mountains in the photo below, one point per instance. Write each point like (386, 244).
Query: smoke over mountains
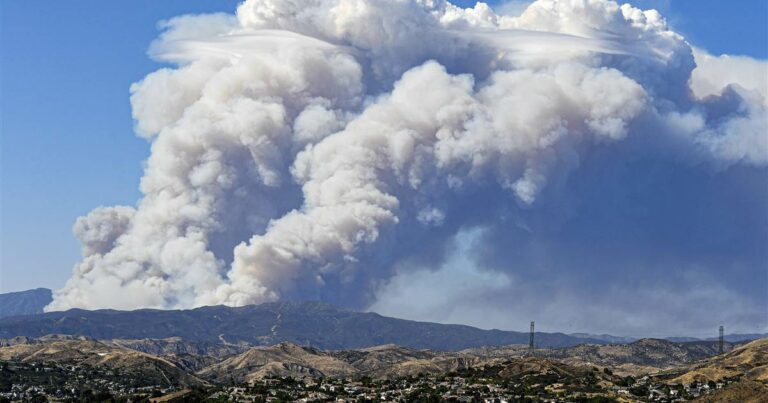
(340, 150)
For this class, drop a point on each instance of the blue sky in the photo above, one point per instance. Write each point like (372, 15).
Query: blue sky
(67, 134)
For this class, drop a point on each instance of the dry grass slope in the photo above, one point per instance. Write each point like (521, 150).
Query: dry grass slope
(742, 392)
(284, 359)
(82, 351)
(749, 360)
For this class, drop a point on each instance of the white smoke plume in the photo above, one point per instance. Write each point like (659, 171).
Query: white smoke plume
(304, 148)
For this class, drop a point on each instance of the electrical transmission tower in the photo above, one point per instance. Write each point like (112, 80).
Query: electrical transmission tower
(530, 343)
(721, 340)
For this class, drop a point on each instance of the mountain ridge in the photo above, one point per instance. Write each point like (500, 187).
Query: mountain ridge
(314, 323)
(28, 302)
(32, 302)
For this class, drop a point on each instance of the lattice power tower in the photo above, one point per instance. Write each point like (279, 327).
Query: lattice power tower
(721, 340)
(530, 343)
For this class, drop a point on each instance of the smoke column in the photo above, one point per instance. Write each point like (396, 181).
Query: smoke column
(303, 149)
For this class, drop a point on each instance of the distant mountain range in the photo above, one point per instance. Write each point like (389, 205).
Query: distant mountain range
(733, 338)
(306, 323)
(605, 337)
(28, 302)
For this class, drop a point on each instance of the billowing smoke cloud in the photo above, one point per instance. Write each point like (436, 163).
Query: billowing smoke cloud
(317, 149)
